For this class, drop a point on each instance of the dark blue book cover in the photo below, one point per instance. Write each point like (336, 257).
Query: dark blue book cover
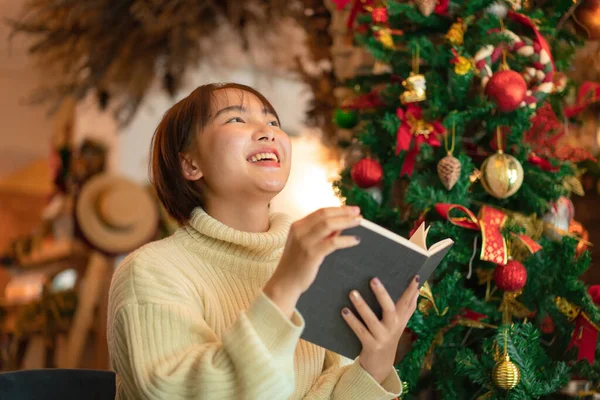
(381, 253)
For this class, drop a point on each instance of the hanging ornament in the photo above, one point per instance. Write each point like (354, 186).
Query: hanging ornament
(449, 167)
(506, 374)
(501, 174)
(509, 89)
(558, 218)
(366, 173)
(426, 6)
(441, 7)
(510, 277)
(560, 82)
(456, 33)
(499, 9)
(415, 84)
(587, 17)
(380, 15)
(462, 65)
(385, 36)
(345, 119)
(575, 228)
(376, 194)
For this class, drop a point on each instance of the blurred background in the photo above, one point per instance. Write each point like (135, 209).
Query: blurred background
(79, 103)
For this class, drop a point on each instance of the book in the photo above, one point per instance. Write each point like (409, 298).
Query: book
(381, 253)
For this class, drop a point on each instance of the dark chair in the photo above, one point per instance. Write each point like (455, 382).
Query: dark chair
(57, 384)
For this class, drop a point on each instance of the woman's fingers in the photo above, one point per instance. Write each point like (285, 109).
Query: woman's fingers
(328, 227)
(385, 301)
(406, 305)
(359, 329)
(373, 324)
(335, 242)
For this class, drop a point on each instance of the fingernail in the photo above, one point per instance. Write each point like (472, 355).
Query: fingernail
(355, 210)
(376, 282)
(345, 311)
(355, 294)
(358, 219)
(417, 278)
(357, 239)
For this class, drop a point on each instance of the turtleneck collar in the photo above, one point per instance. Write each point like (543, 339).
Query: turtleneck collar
(238, 249)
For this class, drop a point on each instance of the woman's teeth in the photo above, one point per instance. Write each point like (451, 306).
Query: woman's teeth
(264, 156)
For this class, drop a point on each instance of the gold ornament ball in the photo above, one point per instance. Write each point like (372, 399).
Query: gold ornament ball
(506, 374)
(501, 175)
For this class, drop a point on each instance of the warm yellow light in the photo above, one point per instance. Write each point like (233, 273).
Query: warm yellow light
(310, 184)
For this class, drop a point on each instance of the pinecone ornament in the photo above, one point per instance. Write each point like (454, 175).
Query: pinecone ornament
(449, 171)
(426, 6)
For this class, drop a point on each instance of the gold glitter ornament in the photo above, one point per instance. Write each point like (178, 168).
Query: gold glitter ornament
(506, 374)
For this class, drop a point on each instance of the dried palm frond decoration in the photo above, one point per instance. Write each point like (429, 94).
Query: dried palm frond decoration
(116, 49)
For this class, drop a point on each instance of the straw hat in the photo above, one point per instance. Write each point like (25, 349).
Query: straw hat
(115, 214)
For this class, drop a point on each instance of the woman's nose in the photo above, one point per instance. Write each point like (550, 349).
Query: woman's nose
(265, 134)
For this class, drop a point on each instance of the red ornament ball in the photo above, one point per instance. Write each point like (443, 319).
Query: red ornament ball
(366, 173)
(507, 89)
(380, 15)
(510, 277)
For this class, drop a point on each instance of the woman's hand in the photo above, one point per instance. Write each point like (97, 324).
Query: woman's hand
(380, 338)
(310, 240)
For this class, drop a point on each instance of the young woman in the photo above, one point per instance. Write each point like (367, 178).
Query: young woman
(209, 313)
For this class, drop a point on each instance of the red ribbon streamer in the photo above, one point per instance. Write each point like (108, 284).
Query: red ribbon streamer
(589, 92)
(542, 163)
(585, 335)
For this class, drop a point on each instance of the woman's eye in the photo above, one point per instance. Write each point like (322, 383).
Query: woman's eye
(235, 119)
(274, 123)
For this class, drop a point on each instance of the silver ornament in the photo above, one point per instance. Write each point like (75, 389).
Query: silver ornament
(376, 194)
(559, 218)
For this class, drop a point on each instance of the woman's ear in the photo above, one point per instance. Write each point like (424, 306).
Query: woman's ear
(190, 167)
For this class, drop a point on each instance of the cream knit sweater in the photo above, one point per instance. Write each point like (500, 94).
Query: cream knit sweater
(188, 320)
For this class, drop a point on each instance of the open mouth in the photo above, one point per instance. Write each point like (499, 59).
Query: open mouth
(264, 157)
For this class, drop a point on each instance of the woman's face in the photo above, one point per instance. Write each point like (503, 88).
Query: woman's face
(241, 151)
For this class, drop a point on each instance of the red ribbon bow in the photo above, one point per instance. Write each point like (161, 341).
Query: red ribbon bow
(412, 127)
(490, 223)
(585, 335)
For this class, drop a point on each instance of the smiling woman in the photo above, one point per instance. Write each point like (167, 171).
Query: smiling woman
(199, 143)
(210, 312)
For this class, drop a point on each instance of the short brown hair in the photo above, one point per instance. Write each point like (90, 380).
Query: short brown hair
(175, 134)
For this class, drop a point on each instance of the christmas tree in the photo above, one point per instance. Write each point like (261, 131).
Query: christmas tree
(460, 125)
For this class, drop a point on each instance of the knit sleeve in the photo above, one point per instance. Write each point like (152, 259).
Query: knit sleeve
(165, 351)
(344, 379)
